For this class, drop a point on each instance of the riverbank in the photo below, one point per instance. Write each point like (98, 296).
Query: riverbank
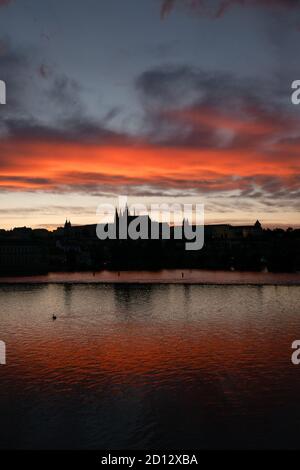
(188, 276)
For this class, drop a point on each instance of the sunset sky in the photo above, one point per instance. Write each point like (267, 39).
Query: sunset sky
(181, 100)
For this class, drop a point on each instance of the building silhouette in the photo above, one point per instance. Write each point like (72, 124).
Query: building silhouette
(76, 247)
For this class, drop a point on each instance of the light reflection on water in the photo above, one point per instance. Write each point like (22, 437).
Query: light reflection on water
(148, 366)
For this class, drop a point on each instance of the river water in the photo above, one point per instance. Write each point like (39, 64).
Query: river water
(148, 365)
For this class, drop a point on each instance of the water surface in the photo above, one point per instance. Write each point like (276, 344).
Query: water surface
(149, 366)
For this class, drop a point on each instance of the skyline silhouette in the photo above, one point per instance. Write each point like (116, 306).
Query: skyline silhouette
(78, 248)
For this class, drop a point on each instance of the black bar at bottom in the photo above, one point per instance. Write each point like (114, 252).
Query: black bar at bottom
(138, 459)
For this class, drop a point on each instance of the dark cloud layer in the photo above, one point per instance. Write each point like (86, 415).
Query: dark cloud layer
(217, 8)
(73, 130)
(4, 3)
(193, 108)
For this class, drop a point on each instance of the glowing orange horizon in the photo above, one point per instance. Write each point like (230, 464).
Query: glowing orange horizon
(63, 163)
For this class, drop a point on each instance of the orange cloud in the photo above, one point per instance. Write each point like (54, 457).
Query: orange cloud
(48, 165)
(253, 125)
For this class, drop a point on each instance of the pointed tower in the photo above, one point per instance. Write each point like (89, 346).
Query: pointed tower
(257, 225)
(67, 227)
